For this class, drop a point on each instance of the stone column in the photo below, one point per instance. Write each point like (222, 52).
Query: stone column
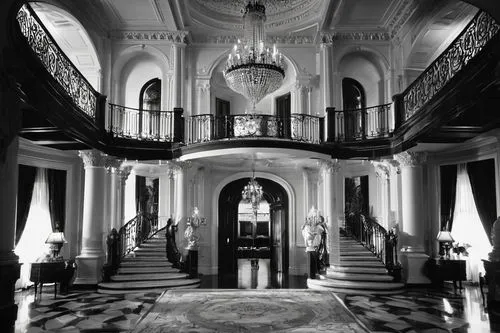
(203, 96)
(113, 172)
(413, 224)
(329, 169)
(179, 170)
(123, 175)
(178, 55)
(91, 258)
(383, 171)
(326, 70)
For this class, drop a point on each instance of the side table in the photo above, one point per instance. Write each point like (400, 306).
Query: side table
(447, 270)
(51, 272)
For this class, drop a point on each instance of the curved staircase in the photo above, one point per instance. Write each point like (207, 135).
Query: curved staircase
(146, 269)
(359, 272)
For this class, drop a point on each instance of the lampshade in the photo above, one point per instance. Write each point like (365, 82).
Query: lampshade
(444, 236)
(56, 238)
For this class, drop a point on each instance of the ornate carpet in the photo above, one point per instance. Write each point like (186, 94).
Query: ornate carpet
(220, 310)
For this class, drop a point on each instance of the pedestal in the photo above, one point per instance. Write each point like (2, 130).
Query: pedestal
(313, 264)
(254, 273)
(414, 267)
(192, 264)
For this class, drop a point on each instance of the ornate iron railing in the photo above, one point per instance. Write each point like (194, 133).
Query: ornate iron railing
(130, 123)
(299, 127)
(468, 44)
(131, 235)
(376, 239)
(361, 124)
(56, 62)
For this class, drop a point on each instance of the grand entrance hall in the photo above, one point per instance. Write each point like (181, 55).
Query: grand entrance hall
(249, 166)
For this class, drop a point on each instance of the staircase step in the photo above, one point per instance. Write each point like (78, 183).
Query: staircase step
(137, 291)
(359, 277)
(357, 285)
(346, 291)
(148, 277)
(151, 260)
(135, 270)
(145, 285)
(357, 270)
(146, 263)
(366, 257)
(150, 249)
(153, 245)
(150, 254)
(355, 263)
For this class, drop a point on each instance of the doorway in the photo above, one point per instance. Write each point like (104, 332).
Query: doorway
(222, 121)
(243, 240)
(283, 112)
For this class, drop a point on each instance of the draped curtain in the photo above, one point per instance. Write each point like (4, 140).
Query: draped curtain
(26, 183)
(467, 226)
(57, 198)
(482, 180)
(448, 195)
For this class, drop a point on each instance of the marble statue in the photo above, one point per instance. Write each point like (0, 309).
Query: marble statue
(494, 255)
(192, 235)
(312, 230)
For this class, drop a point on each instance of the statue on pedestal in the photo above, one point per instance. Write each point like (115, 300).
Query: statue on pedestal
(311, 230)
(192, 235)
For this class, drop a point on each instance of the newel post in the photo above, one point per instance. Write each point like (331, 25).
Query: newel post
(178, 135)
(330, 125)
(399, 110)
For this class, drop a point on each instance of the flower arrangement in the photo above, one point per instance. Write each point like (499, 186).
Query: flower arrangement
(461, 249)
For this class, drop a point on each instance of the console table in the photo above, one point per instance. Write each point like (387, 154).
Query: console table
(51, 272)
(448, 270)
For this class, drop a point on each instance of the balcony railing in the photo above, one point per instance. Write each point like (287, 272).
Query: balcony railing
(130, 123)
(56, 62)
(466, 46)
(362, 124)
(299, 127)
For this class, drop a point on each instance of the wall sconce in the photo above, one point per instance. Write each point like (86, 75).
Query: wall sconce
(445, 238)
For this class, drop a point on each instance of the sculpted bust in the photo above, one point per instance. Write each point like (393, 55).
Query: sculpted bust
(311, 230)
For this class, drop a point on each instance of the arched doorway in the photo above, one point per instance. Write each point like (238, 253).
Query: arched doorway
(231, 245)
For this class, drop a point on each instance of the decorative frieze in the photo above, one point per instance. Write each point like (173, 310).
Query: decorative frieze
(330, 37)
(233, 39)
(169, 36)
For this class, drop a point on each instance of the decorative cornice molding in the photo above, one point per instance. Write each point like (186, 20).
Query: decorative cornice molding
(233, 39)
(169, 36)
(93, 158)
(399, 19)
(410, 159)
(330, 37)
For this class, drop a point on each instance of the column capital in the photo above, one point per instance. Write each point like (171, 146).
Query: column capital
(112, 164)
(329, 166)
(124, 173)
(410, 159)
(176, 167)
(93, 158)
(382, 169)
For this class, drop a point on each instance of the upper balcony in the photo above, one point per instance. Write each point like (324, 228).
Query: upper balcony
(450, 102)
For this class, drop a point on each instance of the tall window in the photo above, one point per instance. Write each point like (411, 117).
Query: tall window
(467, 227)
(32, 245)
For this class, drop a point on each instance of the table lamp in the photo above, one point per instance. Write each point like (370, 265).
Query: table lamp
(56, 240)
(445, 238)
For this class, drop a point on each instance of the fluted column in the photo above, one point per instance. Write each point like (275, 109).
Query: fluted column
(382, 171)
(178, 54)
(329, 169)
(123, 175)
(202, 96)
(326, 71)
(92, 254)
(179, 170)
(413, 224)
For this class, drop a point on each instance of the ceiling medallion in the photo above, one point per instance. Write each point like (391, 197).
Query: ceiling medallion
(253, 69)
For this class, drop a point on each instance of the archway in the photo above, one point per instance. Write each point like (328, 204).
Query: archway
(232, 251)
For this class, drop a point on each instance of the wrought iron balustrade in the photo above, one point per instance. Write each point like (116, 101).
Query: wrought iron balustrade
(56, 62)
(361, 124)
(130, 123)
(466, 46)
(376, 239)
(299, 127)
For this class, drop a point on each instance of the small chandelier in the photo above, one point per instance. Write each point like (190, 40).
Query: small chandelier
(252, 192)
(252, 69)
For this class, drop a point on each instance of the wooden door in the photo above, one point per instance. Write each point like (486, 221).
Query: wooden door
(283, 112)
(222, 112)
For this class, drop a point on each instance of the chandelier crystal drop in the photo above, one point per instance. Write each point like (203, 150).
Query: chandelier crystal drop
(252, 193)
(253, 69)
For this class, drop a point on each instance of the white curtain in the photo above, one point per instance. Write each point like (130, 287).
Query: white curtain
(32, 245)
(467, 227)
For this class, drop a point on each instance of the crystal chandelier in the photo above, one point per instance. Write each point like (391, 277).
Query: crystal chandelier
(252, 192)
(252, 69)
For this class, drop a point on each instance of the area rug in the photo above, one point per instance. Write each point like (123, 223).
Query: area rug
(290, 310)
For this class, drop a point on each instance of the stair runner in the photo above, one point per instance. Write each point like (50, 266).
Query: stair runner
(146, 269)
(359, 272)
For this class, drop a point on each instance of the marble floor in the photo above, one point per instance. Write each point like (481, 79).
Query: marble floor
(425, 310)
